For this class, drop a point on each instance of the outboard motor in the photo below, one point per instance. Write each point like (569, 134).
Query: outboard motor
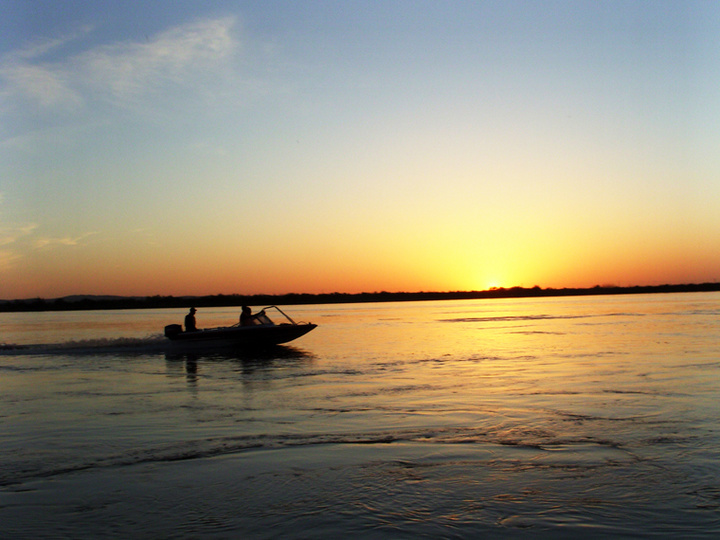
(172, 330)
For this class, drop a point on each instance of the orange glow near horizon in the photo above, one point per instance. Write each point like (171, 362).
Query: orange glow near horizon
(277, 273)
(424, 261)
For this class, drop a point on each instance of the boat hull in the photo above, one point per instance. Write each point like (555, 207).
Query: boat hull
(246, 336)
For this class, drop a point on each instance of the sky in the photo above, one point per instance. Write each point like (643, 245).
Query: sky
(267, 147)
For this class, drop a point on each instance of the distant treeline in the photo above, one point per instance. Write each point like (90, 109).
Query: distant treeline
(224, 300)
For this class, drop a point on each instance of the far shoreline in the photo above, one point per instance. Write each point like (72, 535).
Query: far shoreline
(94, 302)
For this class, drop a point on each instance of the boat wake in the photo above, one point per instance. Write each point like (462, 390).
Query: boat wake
(148, 344)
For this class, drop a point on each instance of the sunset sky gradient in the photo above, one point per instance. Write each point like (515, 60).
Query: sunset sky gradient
(219, 147)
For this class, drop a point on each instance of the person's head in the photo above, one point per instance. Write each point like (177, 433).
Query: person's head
(193, 310)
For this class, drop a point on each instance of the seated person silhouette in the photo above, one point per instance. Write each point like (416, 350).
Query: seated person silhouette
(246, 318)
(190, 321)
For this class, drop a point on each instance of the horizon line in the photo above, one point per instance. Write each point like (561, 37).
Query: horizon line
(710, 285)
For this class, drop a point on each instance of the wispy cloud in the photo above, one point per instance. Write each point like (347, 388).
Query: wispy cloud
(43, 86)
(116, 72)
(11, 238)
(27, 76)
(11, 234)
(126, 70)
(8, 259)
(40, 47)
(19, 241)
(61, 241)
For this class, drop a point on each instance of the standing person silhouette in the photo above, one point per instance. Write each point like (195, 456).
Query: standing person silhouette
(190, 321)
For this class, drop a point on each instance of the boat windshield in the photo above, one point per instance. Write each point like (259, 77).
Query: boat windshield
(262, 318)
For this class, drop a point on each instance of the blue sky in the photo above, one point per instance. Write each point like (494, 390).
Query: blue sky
(219, 147)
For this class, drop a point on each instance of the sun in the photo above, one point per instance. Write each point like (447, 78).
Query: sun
(493, 284)
(484, 282)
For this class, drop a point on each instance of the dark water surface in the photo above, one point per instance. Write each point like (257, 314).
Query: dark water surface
(546, 418)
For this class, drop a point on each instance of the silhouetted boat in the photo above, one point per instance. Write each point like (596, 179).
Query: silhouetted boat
(260, 330)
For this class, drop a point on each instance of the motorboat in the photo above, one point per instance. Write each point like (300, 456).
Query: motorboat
(257, 330)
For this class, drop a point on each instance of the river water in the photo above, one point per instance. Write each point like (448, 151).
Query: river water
(528, 418)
